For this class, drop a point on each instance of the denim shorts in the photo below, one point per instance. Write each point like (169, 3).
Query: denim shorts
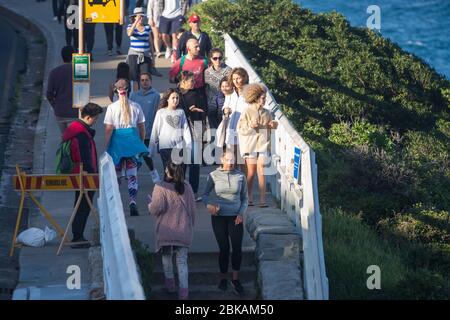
(170, 26)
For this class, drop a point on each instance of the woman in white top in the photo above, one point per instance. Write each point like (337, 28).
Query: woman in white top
(170, 129)
(124, 137)
(235, 104)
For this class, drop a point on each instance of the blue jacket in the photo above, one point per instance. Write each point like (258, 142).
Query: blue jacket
(126, 143)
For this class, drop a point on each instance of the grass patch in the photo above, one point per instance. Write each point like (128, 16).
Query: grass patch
(350, 247)
(145, 262)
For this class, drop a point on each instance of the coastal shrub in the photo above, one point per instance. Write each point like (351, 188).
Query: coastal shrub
(377, 117)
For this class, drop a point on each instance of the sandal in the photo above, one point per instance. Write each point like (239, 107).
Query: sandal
(263, 205)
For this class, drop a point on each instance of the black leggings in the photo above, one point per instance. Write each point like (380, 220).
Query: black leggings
(224, 229)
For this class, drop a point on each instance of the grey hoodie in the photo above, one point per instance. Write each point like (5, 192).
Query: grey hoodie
(230, 192)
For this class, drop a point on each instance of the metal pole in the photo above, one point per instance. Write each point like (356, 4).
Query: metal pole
(81, 27)
(80, 34)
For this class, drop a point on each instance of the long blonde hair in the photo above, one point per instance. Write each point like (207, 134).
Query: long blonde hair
(125, 112)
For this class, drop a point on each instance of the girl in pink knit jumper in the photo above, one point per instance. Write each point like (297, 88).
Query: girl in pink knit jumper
(173, 205)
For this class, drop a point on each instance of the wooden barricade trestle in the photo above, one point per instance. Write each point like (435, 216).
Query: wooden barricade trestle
(26, 184)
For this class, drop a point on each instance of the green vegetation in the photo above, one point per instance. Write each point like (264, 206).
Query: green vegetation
(378, 119)
(144, 260)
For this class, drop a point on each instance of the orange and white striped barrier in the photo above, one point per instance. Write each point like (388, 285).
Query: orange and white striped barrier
(26, 184)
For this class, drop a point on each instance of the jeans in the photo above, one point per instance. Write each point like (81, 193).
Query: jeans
(79, 222)
(181, 260)
(109, 31)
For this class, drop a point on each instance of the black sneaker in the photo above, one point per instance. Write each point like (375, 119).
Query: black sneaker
(81, 245)
(223, 284)
(237, 287)
(133, 210)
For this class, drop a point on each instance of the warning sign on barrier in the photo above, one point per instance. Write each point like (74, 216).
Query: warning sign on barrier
(57, 183)
(26, 184)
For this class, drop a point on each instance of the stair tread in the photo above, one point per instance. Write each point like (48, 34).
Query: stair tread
(207, 292)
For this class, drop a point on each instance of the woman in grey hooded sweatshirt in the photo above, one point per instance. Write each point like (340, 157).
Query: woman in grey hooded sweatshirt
(227, 206)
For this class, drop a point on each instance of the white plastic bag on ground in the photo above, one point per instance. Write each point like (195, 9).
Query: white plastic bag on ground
(33, 237)
(49, 234)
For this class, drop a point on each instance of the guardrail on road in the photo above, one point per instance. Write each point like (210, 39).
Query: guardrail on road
(294, 185)
(119, 267)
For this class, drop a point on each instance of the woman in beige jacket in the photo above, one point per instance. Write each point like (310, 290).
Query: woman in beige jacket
(254, 128)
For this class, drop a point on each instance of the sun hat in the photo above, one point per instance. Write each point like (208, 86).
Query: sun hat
(138, 10)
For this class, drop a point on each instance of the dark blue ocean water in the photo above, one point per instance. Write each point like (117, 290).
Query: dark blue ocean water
(421, 27)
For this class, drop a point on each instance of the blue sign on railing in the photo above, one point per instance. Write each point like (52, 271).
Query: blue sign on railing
(297, 157)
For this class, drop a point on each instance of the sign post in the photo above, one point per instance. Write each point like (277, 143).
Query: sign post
(81, 71)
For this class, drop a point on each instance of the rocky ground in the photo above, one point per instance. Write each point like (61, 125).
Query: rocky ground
(22, 87)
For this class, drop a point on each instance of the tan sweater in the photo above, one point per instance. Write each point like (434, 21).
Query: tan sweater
(254, 140)
(174, 214)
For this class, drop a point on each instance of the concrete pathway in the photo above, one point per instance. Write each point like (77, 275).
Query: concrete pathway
(41, 268)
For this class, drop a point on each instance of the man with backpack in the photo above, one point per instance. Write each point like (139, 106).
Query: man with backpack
(78, 139)
(194, 63)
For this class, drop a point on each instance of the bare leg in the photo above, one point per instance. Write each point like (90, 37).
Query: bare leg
(156, 40)
(235, 275)
(261, 180)
(166, 40)
(174, 41)
(251, 170)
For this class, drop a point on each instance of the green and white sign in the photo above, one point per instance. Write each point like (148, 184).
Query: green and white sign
(81, 67)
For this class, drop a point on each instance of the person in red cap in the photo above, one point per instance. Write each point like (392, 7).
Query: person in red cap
(194, 33)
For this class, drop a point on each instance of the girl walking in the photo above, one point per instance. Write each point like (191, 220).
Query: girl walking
(124, 139)
(170, 129)
(172, 203)
(227, 206)
(254, 130)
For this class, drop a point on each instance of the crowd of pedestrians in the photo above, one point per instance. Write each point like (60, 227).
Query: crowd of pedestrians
(142, 123)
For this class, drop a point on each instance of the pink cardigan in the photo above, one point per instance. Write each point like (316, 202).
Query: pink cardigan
(174, 215)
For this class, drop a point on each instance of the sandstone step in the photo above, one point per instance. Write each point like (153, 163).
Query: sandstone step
(206, 275)
(207, 292)
(206, 260)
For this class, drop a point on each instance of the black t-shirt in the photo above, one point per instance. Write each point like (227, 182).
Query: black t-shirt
(189, 99)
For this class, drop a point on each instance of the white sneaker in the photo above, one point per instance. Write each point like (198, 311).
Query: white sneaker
(155, 176)
(168, 53)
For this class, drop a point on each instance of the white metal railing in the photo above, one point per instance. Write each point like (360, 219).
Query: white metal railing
(119, 268)
(298, 197)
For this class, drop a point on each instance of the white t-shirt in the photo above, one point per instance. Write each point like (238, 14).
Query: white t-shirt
(172, 9)
(112, 116)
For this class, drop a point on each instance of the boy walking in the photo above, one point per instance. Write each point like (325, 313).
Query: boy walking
(83, 150)
(148, 98)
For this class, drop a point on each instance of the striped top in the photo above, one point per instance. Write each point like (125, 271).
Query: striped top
(139, 41)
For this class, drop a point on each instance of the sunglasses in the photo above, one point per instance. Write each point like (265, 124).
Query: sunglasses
(217, 58)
